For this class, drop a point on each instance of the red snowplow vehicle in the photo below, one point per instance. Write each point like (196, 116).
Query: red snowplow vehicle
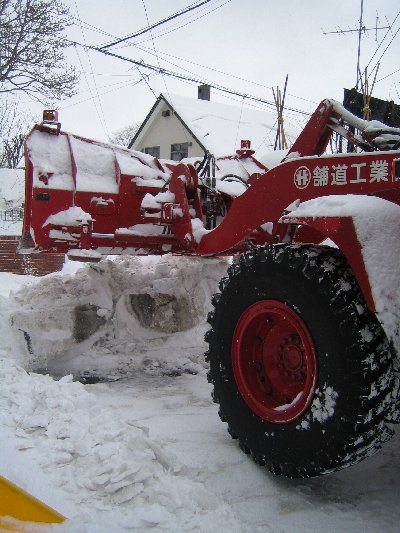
(304, 334)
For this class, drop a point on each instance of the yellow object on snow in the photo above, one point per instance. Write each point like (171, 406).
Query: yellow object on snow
(19, 505)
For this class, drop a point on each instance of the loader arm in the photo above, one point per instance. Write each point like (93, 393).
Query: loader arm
(299, 180)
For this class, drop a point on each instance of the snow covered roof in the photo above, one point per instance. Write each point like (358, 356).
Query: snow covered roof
(218, 128)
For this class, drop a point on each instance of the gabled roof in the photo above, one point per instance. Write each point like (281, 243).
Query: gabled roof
(218, 128)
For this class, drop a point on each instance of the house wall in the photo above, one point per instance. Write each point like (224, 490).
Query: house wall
(165, 131)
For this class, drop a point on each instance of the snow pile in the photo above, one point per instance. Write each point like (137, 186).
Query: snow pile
(142, 230)
(105, 473)
(136, 163)
(231, 186)
(95, 461)
(73, 216)
(124, 305)
(271, 159)
(154, 202)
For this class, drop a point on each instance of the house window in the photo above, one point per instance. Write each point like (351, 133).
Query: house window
(179, 151)
(152, 150)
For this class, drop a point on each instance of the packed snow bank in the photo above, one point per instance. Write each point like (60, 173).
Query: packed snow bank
(102, 321)
(105, 474)
(93, 460)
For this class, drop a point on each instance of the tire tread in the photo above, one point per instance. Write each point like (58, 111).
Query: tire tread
(377, 408)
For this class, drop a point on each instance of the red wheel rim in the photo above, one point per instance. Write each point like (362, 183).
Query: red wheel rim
(274, 361)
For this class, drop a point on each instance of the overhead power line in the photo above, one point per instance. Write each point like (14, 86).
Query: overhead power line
(191, 62)
(186, 22)
(96, 101)
(385, 50)
(386, 34)
(158, 53)
(114, 88)
(156, 24)
(178, 76)
(388, 75)
(154, 47)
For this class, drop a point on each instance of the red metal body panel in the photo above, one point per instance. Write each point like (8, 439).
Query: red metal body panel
(314, 139)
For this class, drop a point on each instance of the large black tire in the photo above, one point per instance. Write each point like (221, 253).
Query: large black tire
(314, 390)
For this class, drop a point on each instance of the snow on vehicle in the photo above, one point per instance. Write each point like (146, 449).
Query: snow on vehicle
(304, 334)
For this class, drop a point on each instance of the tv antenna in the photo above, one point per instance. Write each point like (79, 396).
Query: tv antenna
(360, 30)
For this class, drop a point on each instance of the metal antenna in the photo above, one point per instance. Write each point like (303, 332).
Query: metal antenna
(359, 42)
(360, 30)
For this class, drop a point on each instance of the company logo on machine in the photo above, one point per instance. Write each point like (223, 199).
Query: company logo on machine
(340, 175)
(302, 177)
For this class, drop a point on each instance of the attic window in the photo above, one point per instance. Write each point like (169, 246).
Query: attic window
(166, 113)
(179, 151)
(152, 150)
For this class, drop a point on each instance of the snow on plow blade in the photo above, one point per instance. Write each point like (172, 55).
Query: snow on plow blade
(17, 507)
(64, 171)
(83, 195)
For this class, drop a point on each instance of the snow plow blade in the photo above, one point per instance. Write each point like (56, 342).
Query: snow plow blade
(17, 506)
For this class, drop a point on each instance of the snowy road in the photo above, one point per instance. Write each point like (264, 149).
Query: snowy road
(149, 453)
(180, 416)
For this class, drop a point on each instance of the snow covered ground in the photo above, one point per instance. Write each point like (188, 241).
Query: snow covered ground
(146, 450)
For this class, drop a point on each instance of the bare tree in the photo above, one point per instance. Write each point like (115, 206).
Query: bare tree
(32, 46)
(12, 150)
(13, 126)
(124, 136)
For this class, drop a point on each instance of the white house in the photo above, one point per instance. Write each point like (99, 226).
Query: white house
(178, 127)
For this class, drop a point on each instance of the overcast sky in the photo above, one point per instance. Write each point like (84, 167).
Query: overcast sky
(246, 46)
